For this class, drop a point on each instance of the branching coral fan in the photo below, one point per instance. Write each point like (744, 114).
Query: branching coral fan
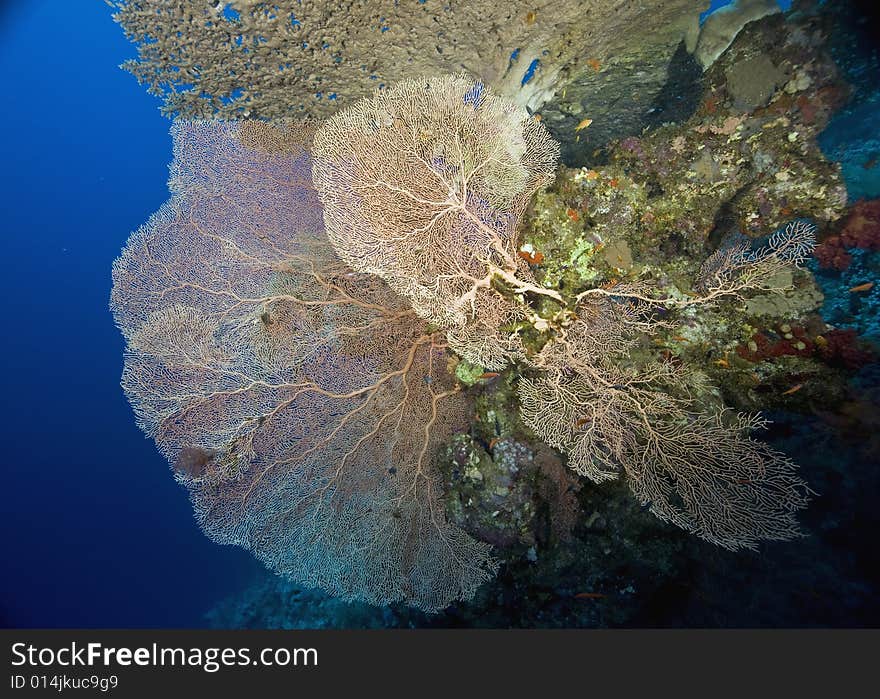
(424, 186)
(315, 397)
(269, 60)
(299, 382)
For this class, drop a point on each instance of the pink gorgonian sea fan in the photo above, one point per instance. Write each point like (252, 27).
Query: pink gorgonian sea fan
(301, 403)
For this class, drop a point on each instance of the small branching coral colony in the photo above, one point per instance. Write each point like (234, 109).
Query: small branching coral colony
(293, 312)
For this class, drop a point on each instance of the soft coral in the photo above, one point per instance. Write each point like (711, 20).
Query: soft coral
(861, 229)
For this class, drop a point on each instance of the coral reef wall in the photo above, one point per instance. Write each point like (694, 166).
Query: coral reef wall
(698, 141)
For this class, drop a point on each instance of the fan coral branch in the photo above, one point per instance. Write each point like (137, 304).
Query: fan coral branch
(733, 270)
(424, 185)
(302, 403)
(736, 268)
(693, 464)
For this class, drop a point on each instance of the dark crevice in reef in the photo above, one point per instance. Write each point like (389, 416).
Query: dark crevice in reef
(680, 96)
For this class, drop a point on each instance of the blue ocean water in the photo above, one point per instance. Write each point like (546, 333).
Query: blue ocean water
(96, 533)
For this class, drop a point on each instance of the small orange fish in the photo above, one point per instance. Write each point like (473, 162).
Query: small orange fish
(591, 175)
(531, 17)
(492, 443)
(680, 338)
(785, 211)
(584, 123)
(867, 286)
(722, 363)
(793, 389)
(580, 422)
(589, 595)
(533, 258)
(595, 64)
(489, 375)
(613, 181)
(572, 214)
(537, 117)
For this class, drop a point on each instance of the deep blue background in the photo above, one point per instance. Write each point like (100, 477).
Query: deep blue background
(95, 530)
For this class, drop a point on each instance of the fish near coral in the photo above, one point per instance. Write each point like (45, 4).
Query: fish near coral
(582, 124)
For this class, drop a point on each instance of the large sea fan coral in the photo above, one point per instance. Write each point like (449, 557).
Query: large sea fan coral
(424, 185)
(689, 460)
(289, 344)
(301, 403)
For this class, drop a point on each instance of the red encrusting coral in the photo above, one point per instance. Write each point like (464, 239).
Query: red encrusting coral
(832, 255)
(769, 345)
(817, 108)
(842, 347)
(837, 347)
(862, 227)
(861, 230)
